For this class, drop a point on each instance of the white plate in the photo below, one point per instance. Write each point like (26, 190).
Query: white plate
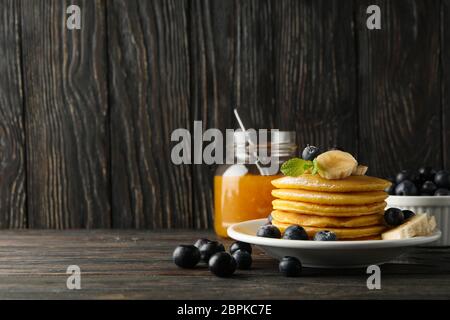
(328, 254)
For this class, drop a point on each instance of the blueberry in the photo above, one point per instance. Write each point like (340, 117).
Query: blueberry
(201, 242)
(310, 152)
(442, 192)
(442, 179)
(222, 264)
(238, 245)
(295, 232)
(269, 231)
(394, 217)
(391, 189)
(243, 259)
(407, 175)
(426, 174)
(402, 176)
(210, 248)
(406, 188)
(407, 214)
(290, 267)
(428, 188)
(186, 256)
(269, 219)
(325, 235)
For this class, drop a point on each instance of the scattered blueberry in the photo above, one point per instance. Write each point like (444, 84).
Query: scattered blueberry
(442, 192)
(325, 235)
(269, 231)
(428, 188)
(210, 248)
(407, 214)
(394, 217)
(243, 259)
(406, 188)
(310, 152)
(186, 256)
(201, 242)
(295, 232)
(442, 179)
(290, 267)
(239, 245)
(426, 174)
(222, 264)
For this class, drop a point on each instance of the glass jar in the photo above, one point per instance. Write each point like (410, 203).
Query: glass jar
(242, 190)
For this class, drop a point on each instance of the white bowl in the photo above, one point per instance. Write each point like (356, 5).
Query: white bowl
(328, 254)
(438, 206)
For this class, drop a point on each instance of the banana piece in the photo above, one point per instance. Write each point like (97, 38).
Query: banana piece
(360, 170)
(419, 225)
(336, 164)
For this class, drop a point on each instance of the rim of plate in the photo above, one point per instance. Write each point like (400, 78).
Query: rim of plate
(309, 244)
(431, 201)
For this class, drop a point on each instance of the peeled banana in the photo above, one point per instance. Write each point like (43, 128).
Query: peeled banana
(336, 164)
(419, 225)
(360, 170)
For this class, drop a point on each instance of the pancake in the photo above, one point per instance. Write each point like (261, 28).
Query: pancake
(341, 233)
(328, 210)
(323, 222)
(317, 183)
(344, 198)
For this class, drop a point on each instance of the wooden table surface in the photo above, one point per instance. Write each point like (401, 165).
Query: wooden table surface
(137, 265)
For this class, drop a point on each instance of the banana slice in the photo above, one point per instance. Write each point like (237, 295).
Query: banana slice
(419, 225)
(360, 170)
(336, 164)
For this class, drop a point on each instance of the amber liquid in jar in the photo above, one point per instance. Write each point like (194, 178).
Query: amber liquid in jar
(240, 198)
(243, 190)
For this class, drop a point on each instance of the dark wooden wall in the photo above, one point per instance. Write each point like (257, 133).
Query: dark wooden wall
(86, 115)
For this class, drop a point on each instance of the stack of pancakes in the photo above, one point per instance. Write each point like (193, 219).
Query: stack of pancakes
(352, 208)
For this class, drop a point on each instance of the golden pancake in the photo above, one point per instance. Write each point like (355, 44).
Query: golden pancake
(317, 183)
(345, 198)
(328, 210)
(322, 222)
(341, 233)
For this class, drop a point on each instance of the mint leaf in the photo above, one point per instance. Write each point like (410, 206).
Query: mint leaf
(315, 169)
(295, 167)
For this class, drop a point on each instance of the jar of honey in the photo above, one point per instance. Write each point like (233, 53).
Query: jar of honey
(242, 190)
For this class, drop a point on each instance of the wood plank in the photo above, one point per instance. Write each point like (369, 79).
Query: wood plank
(315, 65)
(66, 115)
(12, 136)
(149, 98)
(118, 264)
(254, 63)
(445, 85)
(399, 93)
(232, 66)
(212, 52)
